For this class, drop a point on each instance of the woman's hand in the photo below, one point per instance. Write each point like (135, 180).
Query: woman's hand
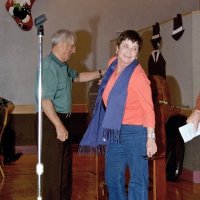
(151, 147)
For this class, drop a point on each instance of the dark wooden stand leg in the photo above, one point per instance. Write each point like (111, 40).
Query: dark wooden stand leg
(159, 179)
(102, 193)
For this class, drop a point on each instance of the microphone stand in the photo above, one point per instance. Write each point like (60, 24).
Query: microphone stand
(39, 168)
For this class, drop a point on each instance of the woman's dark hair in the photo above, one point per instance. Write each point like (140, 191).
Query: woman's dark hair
(130, 35)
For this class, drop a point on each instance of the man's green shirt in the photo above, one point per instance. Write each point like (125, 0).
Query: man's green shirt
(57, 83)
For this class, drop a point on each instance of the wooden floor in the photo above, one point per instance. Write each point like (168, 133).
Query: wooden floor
(20, 182)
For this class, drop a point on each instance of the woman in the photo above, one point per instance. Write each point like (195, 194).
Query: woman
(124, 121)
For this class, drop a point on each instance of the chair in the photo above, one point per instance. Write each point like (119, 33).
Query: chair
(3, 122)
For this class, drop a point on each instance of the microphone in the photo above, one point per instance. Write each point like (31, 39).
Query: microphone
(40, 20)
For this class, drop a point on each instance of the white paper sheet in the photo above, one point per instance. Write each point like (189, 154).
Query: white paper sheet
(188, 133)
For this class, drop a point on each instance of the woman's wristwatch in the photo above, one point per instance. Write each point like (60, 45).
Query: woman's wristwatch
(151, 136)
(100, 74)
(197, 111)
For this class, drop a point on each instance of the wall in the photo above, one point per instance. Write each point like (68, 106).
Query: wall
(181, 56)
(95, 22)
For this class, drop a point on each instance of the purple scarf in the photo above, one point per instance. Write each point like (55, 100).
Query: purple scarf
(105, 124)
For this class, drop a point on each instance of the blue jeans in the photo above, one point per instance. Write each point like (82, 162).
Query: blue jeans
(129, 153)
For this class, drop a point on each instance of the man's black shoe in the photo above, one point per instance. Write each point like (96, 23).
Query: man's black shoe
(16, 157)
(9, 160)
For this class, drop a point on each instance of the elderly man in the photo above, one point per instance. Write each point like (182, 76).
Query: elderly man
(57, 107)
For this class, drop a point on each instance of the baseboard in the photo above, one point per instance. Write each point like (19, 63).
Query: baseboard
(191, 176)
(26, 149)
(32, 149)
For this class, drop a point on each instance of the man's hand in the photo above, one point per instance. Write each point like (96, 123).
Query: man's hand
(48, 107)
(62, 133)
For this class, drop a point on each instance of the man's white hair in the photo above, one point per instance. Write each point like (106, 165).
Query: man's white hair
(63, 35)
